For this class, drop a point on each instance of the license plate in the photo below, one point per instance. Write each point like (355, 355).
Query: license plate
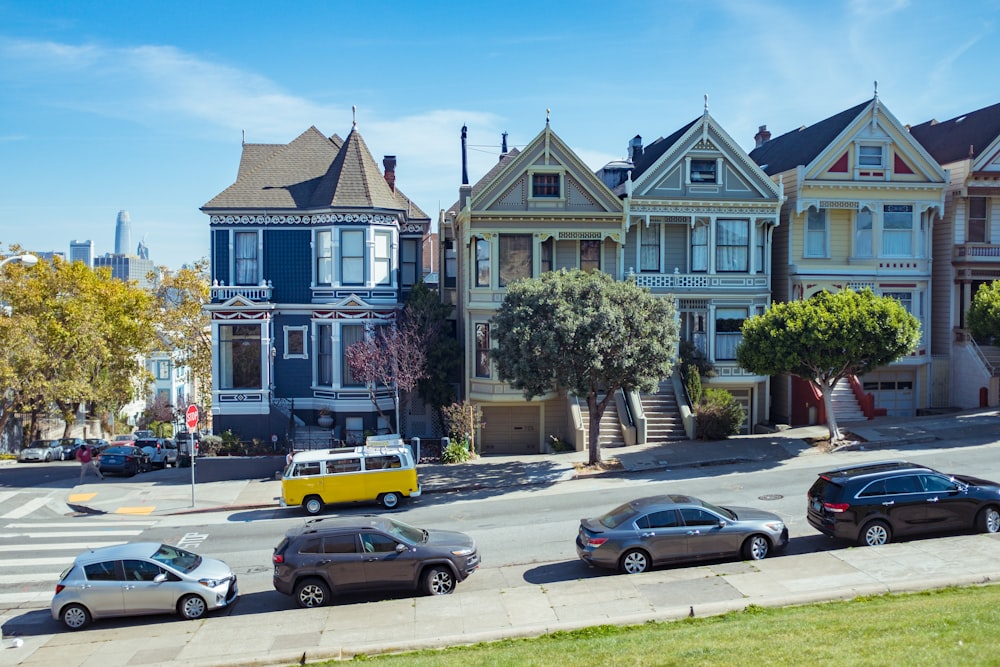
(816, 505)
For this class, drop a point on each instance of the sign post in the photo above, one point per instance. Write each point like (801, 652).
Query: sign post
(191, 417)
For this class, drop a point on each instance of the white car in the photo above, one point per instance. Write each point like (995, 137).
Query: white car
(41, 450)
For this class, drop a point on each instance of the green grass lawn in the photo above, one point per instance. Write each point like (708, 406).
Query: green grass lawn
(958, 626)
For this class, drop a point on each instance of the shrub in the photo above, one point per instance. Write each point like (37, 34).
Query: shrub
(692, 383)
(210, 445)
(558, 445)
(719, 415)
(457, 451)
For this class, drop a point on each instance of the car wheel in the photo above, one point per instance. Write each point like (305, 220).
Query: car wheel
(192, 607)
(75, 616)
(313, 505)
(756, 547)
(439, 581)
(634, 561)
(988, 520)
(312, 593)
(875, 534)
(48, 458)
(131, 470)
(390, 500)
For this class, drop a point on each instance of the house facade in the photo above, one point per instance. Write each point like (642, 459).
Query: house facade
(699, 219)
(539, 209)
(862, 198)
(311, 247)
(966, 251)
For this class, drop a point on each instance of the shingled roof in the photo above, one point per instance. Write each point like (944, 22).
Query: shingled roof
(653, 152)
(487, 178)
(312, 172)
(962, 137)
(801, 146)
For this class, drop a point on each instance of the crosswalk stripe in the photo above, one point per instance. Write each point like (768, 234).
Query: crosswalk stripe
(79, 546)
(38, 562)
(10, 599)
(4, 495)
(82, 522)
(26, 508)
(28, 578)
(69, 533)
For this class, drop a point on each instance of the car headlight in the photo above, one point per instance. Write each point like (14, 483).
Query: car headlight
(462, 552)
(212, 583)
(776, 526)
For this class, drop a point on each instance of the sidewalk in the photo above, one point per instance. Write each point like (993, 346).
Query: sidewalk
(530, 599)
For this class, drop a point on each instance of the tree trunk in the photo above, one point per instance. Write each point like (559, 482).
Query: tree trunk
(596, 411)
(831, 419)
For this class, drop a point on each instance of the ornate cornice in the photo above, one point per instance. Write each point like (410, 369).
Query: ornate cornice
(317, 219)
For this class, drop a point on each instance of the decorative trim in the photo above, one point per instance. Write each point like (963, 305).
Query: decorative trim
(318, 219)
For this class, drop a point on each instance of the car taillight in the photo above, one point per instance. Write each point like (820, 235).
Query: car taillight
(59, 588)
(837, 507)
(277, 559)
(596, 541)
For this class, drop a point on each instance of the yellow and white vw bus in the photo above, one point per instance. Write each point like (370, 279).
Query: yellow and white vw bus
(382, 470)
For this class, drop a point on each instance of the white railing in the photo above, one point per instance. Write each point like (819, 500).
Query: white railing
(260, 292)
(698, 280)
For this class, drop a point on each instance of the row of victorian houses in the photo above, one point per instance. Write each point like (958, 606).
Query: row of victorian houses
(314, 244)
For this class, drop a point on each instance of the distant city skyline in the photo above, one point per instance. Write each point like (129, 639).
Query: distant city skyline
(122, 106)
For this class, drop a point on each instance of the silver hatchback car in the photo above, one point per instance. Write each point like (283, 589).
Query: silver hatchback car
(141, 578)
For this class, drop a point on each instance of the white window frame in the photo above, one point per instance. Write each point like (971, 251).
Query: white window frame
(891, 236)
(696, 243)
(865, 154)
(382, 258)
(984, 220)
(820, 216)
(251, 268)
(860, 232)
(701, 171)
(600, 253)
(346, 260)
(720, 247)
(324, 257)
(560, 175)
(304, 331)
(649, 248)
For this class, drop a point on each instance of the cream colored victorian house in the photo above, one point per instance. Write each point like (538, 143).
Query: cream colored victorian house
(699, 216)
(966, 252)
(862, 198)
(539, 209)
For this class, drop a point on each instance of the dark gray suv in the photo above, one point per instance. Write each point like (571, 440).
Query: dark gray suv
(369, 552)
(874, 503)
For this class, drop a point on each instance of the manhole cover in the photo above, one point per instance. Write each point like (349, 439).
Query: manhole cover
(770, 496)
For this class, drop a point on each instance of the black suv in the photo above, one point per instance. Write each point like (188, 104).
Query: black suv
(339, 554)
(873, 503)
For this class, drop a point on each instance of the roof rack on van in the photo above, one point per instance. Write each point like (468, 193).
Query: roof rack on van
(388, 440)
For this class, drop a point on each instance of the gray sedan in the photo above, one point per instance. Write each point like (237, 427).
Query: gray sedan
(41, 450)
(141, 578)
(664, 529)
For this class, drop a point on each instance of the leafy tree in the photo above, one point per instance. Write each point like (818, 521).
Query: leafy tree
(184, 326)
(444, 354)
(584, 332)
(983, 318)
(826, 338)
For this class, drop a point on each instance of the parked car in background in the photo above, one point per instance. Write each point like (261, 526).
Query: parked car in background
(144, 434)
(123, 439)
(672, 528)
(141, 578)
(161, 451)
(69, 447)
(332, 555)
(98, 445)
(41, 450)
(125, 460)
(873, 503)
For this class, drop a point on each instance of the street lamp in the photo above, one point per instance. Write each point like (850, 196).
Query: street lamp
(27, 259)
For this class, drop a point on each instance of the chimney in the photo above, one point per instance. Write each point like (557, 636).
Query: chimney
(389, 162)
(503, 145)
(762, 136)
(635, 149)
(465, 157)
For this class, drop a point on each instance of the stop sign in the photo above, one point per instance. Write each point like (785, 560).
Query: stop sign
(192, 417)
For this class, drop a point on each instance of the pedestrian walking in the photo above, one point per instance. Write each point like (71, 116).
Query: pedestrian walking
(86, 460)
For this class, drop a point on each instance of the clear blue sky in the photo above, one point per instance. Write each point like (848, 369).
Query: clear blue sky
(108, 105)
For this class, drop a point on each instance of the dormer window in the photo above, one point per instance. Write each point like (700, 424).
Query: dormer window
(704, 171)
(546, 186)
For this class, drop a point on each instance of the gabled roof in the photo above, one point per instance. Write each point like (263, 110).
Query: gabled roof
(801, 146)
(312, 172)
(962, 137)
(655, 150)
(505, 159)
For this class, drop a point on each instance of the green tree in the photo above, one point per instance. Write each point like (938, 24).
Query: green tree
(184, 325)
(826, 338)
(983, 318)
(584, 332)
(444, 355)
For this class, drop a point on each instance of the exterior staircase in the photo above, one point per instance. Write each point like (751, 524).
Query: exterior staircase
(845, 403)
(991, 353)
(610, 434)
(663, 416)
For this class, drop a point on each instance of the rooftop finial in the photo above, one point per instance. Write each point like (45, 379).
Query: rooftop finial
(547, 112)
(354, 115)
(876, 88)
(706, 102)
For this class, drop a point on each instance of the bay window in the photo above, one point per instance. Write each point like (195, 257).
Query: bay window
(897, 230)
(482, 249)
(649, 247)
(590, 255)
(732, 245)
(382, 263)
(863, 234)
(515, 257)
(324, 258)
(816, 233)
(699, 247)
(246, 258)
(482, 350)
(977, 220)
(324, 355)
(349, 335)
(240, 363)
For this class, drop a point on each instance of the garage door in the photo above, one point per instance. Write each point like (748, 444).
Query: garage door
(511, 429)
(893, 390)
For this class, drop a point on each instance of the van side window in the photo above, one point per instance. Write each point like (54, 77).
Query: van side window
(306, 469)
(343, 465)
(382, 462)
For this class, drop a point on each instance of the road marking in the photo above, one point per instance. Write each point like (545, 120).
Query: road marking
(59, 547)
(38, 562)
(27, 578)
(79, 497)
(147, 509)
(77, 524)
(4, 495)
(26, 509)
(10, 599)
(69, 533)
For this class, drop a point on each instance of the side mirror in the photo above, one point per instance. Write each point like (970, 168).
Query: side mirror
(160, 578)
(401, 548)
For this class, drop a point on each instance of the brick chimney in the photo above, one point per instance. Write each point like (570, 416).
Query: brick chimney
(389, 162)
(762, 136)
(635, 149)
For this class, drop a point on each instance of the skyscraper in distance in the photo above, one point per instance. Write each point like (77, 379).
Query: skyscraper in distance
(82, 251)
(123, 233)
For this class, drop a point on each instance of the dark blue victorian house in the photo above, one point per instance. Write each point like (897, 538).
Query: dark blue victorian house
(310, 247)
